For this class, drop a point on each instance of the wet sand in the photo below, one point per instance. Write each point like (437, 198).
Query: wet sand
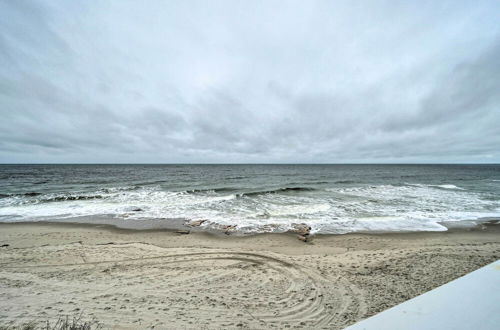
(137, 279)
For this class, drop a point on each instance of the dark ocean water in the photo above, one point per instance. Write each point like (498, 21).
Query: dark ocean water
(331, 198)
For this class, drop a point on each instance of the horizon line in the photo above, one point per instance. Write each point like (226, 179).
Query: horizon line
(360, 163)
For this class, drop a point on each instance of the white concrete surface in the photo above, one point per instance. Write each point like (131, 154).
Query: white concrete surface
(469, 302)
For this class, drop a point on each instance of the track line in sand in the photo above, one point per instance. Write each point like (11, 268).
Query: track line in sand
(284, 292)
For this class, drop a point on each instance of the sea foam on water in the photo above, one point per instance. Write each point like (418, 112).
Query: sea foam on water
(260, 199)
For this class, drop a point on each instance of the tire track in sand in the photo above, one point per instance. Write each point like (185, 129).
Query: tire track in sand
(266, 287)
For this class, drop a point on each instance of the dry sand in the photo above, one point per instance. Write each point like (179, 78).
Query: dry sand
(129, 279)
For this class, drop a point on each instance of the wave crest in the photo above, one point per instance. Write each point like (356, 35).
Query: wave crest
(277, 191)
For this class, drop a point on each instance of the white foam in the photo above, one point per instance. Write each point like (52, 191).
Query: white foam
(411, 207)
(442, 186)
(447, 186)
(379, 224)
(293, 210)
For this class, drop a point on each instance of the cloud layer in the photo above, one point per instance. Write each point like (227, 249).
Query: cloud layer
(249, 81)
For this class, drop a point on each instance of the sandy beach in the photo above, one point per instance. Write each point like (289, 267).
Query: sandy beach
(138, 279)
(248, 165)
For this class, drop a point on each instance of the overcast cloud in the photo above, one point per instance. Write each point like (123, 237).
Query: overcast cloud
(249, 81)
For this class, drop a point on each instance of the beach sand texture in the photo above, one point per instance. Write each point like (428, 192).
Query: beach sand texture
(130, 279)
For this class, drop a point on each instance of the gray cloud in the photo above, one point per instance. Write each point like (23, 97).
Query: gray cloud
(239, 81)
(471, 89)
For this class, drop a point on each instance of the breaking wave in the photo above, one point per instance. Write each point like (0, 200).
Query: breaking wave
(278, 191)
(238, 192)
(338, 207)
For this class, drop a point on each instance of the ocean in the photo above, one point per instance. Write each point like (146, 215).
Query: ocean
(256, 198)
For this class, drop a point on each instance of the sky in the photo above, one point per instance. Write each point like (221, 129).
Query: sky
(249, 81)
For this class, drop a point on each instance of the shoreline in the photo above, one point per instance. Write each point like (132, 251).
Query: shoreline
(129, 278)
(182, 226)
